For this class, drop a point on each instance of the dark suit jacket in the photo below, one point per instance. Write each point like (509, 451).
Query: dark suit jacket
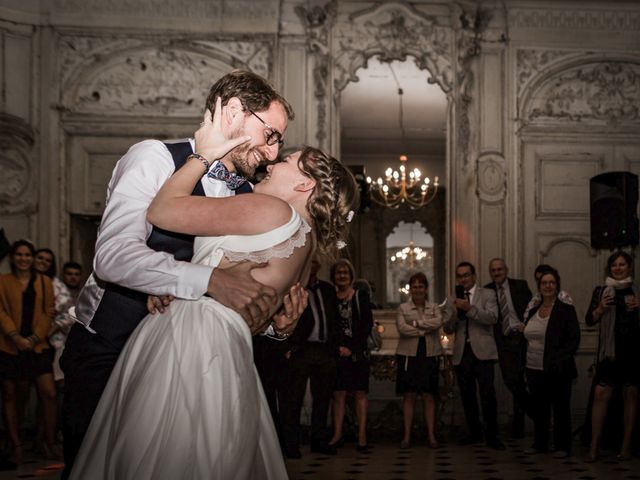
(307, 322)
(561, 340)
(520, 297)
(361, 324)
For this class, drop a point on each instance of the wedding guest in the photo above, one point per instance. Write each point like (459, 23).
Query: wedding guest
(536, 299)
(614, 307)
(26, 313)
(512, 297)
(471, 315)
(356, 321)
(72, 278)
(313, 348)
(418, 357)
(553, 336)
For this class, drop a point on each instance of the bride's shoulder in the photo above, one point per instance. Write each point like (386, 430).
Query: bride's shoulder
(271, 211)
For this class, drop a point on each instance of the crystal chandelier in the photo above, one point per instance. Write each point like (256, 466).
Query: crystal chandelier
(410, 255)
(402, 186)
(397, 189)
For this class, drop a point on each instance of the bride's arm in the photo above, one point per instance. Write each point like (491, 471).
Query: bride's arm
(175, 209)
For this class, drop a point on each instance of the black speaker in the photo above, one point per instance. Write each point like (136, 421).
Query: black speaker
(614, 203)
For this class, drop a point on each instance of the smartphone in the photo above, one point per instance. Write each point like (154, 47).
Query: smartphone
(460, 292)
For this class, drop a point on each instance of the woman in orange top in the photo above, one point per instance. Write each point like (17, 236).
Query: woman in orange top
(26, 313)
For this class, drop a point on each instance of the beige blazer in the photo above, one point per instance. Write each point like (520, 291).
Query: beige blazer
(482, 317)
(412, 324)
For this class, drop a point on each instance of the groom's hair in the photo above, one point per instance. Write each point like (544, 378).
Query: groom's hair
(253, 91)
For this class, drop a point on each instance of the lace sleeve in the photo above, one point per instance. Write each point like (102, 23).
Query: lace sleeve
(281, 250)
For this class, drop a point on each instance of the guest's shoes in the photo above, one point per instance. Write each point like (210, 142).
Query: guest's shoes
(324, 448)
(18, 455)
(496, 444)
(533, 450)
(405, 444)
(52, 452)
(433, 444)
(624, 455)
(470, 440)
(7, 465)
(362, 448)
(338, 443)
(592, 456)
(560, 454)
(292, 453)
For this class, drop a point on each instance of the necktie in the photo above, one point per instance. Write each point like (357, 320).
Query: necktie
(504, 309)
(466, 326)
(219, 171)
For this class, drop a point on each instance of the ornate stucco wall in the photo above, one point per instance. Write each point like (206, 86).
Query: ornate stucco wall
(542, 96)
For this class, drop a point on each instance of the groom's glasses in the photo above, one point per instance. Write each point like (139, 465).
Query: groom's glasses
(272, 138)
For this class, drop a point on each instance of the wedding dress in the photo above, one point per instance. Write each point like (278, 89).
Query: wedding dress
(184, 400)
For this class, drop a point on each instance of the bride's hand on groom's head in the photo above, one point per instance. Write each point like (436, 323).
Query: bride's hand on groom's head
(211, 141)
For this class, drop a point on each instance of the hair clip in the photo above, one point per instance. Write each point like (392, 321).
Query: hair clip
(340, 244)
(350, 216)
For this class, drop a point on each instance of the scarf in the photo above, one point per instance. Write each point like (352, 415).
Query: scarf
(607, 343)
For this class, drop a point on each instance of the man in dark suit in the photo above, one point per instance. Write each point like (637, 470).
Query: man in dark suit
(512, 297)
(471, 315)
(313, 353)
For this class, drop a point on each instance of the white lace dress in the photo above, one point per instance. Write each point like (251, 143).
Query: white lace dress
(184, 400)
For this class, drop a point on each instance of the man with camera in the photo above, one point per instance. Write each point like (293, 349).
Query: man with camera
(471, 315)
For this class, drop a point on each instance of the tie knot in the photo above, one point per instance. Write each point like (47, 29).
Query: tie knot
(220, 172)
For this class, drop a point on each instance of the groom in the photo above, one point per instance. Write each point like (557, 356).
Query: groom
(134, 259)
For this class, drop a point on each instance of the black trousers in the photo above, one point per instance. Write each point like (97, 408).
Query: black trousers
(549, 390)
(477, 375)
(314, 362)
(512, 357)
(272, 366)
(87, 362)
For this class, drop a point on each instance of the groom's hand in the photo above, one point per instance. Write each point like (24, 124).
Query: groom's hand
(235, 288)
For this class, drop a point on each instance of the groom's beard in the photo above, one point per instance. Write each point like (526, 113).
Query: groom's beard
(243, 157)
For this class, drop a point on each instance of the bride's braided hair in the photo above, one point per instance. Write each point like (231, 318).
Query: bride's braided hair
(334, 196)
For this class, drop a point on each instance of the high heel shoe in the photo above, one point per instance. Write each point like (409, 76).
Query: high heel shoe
(18, 454)
(362, 448)
(338, 443)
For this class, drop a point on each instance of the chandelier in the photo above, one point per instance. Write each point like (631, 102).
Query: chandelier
(409, 256)
(397, 189)
(402, 185)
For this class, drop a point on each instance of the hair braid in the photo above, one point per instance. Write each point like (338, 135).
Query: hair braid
(334, 195)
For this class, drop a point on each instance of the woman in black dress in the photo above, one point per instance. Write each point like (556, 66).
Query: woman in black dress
(614, 306)
(418, 351)
(356, 321)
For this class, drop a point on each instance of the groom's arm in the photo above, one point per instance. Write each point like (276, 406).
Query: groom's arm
(122, 255)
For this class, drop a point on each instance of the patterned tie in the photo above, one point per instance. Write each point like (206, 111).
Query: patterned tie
(219, 171)
(504, 309)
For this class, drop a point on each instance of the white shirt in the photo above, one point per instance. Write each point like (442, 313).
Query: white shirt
(535, 332)
(122, 255)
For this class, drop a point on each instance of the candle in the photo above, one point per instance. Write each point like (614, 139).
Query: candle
(444, 341)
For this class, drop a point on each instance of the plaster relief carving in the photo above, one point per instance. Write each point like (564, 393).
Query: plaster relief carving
(393, 32)
(530, 62)
(492, 178)
(575, 20)
(16, 141)
(317, 22)
(605, 93)
(137, 77)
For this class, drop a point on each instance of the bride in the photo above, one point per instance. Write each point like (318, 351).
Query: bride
(184, 400)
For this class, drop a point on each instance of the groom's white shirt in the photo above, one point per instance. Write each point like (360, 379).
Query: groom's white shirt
(122, 256)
